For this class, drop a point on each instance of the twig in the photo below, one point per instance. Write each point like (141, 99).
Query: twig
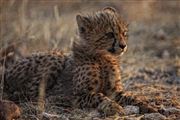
(2, 80)
(47, 115)
(41, 101)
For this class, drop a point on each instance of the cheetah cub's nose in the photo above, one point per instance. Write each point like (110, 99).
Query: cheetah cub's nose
(123, 46)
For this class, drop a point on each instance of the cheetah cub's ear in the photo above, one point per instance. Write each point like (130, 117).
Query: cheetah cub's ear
(110, 10)
(82, 23)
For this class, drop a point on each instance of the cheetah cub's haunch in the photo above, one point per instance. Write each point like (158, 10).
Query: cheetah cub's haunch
(90, 76)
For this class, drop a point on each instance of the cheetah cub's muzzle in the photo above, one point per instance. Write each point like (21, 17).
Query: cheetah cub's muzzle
(118, 48)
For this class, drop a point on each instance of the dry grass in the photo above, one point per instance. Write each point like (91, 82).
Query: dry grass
(150, 68)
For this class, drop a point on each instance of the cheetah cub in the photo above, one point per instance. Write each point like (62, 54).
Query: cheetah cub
(90, 76)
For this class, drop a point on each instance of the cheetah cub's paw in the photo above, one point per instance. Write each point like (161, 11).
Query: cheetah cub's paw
(110, 108)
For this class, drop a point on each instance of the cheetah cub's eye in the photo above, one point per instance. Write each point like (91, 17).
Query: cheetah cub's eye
(82, 29)
(110, 35)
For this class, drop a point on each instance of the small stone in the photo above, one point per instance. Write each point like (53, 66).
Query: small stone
(153, 116)
(165, 54)
(170, 111)
(161, 35)
(129, 110)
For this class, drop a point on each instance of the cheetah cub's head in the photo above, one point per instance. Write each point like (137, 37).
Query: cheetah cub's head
(103, 31)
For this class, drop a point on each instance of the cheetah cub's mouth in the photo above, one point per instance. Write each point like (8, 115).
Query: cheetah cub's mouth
(123, 51)
(120, 51)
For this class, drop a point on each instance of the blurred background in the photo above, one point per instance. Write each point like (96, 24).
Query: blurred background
(153, 57)
(48, 24)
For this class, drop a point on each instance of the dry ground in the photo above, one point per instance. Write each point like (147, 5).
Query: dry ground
(150, 68)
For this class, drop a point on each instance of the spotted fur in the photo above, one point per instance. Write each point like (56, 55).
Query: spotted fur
(22, 79)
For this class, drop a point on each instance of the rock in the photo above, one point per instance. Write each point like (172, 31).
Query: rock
(153, 116)
(9, 110)
(129, 110)
(165, 54)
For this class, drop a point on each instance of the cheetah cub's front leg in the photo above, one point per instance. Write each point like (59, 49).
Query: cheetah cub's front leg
(103, 104)
(87, 87)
